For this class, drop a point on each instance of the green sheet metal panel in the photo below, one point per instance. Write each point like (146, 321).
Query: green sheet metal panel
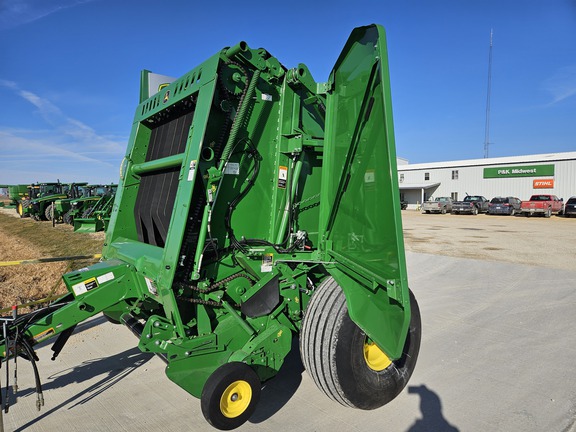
(363, 230)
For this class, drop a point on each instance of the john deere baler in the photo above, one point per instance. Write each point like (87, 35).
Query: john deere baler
(256, 205)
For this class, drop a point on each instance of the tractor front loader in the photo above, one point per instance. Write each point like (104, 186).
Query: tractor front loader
(81, 197)
(97, 217)
(255, 205)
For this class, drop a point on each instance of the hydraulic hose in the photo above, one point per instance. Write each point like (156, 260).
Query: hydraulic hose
(1, 407)
(7, 343)
(31, 356)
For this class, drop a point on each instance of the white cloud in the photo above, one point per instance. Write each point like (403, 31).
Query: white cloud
(65, 125)
(21, 146)
(17, 12)
(562, 85)
(63, 143)
(84, 135)
(8, 84)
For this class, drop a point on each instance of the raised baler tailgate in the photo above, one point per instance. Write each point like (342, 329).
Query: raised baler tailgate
(360, 191)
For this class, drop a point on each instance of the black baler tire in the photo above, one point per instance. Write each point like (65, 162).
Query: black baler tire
(214, 388)
(332, 351)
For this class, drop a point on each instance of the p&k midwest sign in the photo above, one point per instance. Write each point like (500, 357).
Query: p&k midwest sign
(519, 171)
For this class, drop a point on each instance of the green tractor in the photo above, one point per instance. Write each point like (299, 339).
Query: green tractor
(37, 191)
(80, 198)
(255, 206)
(96, 218)
(69, 191)
(57, 210)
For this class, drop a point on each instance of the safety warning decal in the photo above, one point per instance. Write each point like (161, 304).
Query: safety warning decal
(282, 176)
(105, 278)
(192, 170)
(232, 168)
(369, 176)
(267, 262)
(151, 286)
(84, 287)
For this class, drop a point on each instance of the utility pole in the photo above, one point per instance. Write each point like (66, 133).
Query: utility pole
(487, 125)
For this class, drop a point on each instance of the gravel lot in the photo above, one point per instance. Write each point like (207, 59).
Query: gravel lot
(537, 241)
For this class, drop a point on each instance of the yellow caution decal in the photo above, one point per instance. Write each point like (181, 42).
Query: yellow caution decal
(43, 335)
(85, 286)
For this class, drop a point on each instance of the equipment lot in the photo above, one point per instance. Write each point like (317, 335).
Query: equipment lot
(536, 240)
(495, 356)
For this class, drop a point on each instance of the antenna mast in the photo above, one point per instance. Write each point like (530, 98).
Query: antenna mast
(487, 125)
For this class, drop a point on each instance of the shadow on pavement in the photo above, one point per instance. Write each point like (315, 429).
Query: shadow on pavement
(431, 408)
(280, 389)
(114, 369)
(83, 326)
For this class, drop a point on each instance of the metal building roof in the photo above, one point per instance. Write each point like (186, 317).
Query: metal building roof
(549, 157)
(405, 186)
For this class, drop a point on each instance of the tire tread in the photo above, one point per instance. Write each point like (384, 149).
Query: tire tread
(321, 323)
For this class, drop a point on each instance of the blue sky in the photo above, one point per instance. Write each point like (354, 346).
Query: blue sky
(69, 71)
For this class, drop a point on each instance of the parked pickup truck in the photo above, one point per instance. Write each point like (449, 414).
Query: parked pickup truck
(439, 205)
(542, 205)
(471, 204)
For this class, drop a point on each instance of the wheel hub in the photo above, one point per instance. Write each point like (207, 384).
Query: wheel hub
(235, 399)
(375, 357)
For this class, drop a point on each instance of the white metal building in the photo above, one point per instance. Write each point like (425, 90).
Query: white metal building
(519, 176)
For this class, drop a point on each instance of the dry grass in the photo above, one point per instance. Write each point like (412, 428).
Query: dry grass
(22, 239)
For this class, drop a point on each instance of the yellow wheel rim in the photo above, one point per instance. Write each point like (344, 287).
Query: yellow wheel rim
(375, 357)
(235, 399)
(20, 209)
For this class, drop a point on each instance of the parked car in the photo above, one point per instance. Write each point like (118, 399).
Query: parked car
(504, 205)
(439, 205)
(542, 204)
(473, 204)
(570, 207)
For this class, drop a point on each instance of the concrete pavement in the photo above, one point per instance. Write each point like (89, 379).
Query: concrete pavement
(497, 354)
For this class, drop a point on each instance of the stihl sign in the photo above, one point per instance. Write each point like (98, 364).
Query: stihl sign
(543, 184)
